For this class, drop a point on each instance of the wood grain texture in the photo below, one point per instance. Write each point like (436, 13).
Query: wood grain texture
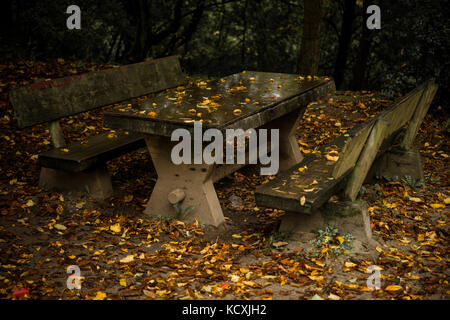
(287, 189)
(269, 96)
(419, 114)
(92, 152)
(50, 100)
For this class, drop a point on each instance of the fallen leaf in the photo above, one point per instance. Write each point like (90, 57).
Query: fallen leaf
(18, 293)
(29, 203)
(415, 199)
(302, 200)
(280, 244)
(331, 158)
(115, 227)
(100, 295)
(60, 227)
(128, 198)
(149, 294)
(393, 288)
(127, 259)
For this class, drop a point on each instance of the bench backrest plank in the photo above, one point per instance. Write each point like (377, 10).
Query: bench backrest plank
(50, 100)
(353, 145)
(397, 115)
(420, 112)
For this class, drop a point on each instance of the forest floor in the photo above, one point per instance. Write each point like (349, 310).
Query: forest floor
(124, 254)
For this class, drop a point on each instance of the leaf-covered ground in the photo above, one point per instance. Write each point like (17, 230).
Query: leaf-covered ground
(123, 254)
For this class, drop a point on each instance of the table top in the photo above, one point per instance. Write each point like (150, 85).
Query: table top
(243, 100)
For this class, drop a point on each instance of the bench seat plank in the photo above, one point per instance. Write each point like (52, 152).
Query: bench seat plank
(84, 155)
(321, 178)
(312, 178)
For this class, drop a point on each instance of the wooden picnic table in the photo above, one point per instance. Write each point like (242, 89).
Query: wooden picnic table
(265, 100)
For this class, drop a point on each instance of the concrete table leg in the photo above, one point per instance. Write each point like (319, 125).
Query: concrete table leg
(290, 153)
(194, 179)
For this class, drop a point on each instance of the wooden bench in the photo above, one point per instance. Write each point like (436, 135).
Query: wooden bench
(82, 165)
(345, 163)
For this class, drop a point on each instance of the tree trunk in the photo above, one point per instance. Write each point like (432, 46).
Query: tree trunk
(344, 41)
(308, 62)
(359, 71)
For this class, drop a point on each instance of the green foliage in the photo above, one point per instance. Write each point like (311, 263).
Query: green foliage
(330, 240)
(412, 183)
(181, 213)
(216, 38)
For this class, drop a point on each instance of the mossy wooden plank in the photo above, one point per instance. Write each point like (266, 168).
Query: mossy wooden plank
(259, 97)
(419, 113)
(366, 158)
(320, 178)
(354, 142)
(312, 179)
(83, 155)
(50, 100)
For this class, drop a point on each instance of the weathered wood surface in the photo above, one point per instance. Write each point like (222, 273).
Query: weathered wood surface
(366, 159)
(260, 96)
(92, 152)
(419, 115)
(304, 191)
(313, 178)
(56, 134)
(50, 100)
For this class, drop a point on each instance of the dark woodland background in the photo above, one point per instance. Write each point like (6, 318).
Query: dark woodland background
(221, 37)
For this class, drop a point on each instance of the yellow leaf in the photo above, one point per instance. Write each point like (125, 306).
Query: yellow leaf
(128, 198)
(340, 239)
(318, 278)
(237, 112)
(65, 150)
(437, 205)
(393, 288)
(415, 199)
(331, 158)
(152, 114)
(302, 200)
(100, 295)
(123, 282)
(127, 259)
(447, 201)
(306, 151)
(115, 227)
(349, 264)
